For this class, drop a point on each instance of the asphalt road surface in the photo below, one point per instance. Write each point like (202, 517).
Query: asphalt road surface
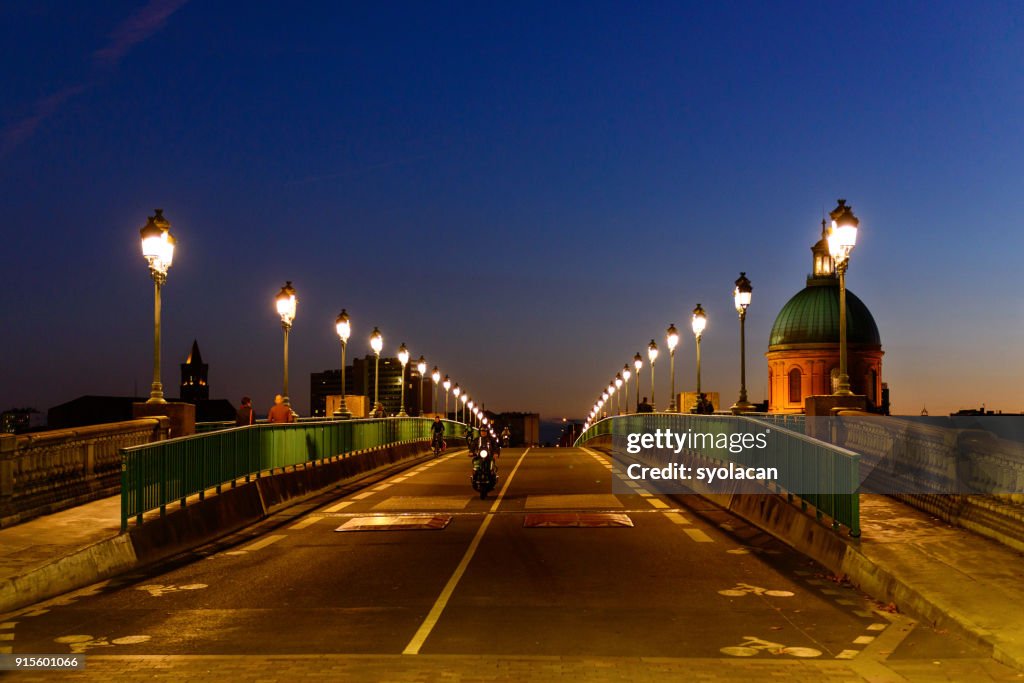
(552, 576)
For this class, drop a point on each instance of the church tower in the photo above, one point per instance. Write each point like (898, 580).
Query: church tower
(194, 371)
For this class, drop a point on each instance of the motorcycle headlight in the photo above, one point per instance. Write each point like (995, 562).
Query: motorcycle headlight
(483, 453)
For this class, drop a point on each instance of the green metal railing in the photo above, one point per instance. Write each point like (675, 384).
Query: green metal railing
(794, 422)
(158, 474)
(823, 476)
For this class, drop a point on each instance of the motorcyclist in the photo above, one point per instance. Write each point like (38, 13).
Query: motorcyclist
(483, 441)
(506, 435)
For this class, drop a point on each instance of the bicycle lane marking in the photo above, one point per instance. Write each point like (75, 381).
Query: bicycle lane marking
(421, 635)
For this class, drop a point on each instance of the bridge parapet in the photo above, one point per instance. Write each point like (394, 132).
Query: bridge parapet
(43, 472)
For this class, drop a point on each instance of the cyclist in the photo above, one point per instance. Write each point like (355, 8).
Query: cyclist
(437, 429)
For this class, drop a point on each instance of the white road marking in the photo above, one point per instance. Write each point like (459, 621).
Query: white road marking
(6, 636)
(6, 650)
(302, 524)
(678, 518)
(421, 635)
(339, 506)
(365, 494)
(877, 627)
(698, 535)
(863, 640)
(847, 654)
(262, 543)
(7, 625)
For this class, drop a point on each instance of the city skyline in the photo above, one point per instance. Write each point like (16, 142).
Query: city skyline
(523, 196)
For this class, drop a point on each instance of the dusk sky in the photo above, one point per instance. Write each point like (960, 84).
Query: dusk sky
(524, 193)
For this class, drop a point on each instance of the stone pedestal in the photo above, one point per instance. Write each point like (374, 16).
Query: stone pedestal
(182, 416)
(827, 406)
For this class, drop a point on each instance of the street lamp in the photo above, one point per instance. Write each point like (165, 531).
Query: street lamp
(638, 362)
(447, 384)
(618, 394)
(436, 377)
(344, 328)
(700, 321)
(158, 250)
(841, 241)
(652, 355)
(286, 303)
(403, 358)
(626, 374)
(672, 339)
(457, 390)
(611, 397)
(741, 296)
(421, 367)
(465, 397)
(376, 343)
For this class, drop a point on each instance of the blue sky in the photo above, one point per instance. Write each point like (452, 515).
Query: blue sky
(524, 193)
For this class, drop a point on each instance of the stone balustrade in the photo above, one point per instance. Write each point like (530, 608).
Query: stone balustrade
(43, 472)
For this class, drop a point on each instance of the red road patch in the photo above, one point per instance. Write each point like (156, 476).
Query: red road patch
(589, 520)
(396, 523)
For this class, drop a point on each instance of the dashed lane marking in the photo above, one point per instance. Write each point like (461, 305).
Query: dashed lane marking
(262, 543)
(877, 627)
(339, 506)
(677, 518)
(657, 503)
(6, 636)
(698, 535)
(365, 494)
(302, 524)
(847, 654)
(863, 640)
(8, 625)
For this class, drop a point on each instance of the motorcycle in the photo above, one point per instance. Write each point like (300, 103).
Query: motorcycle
(485, 471)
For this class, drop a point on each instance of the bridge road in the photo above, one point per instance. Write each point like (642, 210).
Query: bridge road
(486, 585)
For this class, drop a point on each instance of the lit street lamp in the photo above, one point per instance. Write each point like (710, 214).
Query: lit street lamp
(158, 250)
(447, 384)
(286, 303)
(403, 358)
(841, 241)
(344, 328)
(626, 374)
(377, 344)
(741, 296)
(618, 394)
(700, 321)
(638, 363)
(421, 367)
(465, 397)
(436, 377)
(456, 390)
(652, 355)
(672, 339)
(611, 396)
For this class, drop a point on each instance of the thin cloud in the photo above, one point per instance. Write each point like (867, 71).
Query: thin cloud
(134, 30)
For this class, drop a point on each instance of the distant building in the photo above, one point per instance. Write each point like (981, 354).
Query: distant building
(524, 428)
(194, 377)
(20, 420)
(359, 380)
(91, 410)
(803, 349)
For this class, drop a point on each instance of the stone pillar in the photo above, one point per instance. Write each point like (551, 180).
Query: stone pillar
(8, 444)
(182, 415)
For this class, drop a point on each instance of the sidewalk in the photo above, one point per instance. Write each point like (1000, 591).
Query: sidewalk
(949, 576)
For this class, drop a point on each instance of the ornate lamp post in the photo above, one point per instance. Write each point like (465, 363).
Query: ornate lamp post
(652, 355)
(841, 241)
(699, 322)
(626, 374)
(456, 390)
(465, 397)
(436, 377)
(158, 250)
(403, 358)
(376, 343)
(611, 398)
(447, 384)
(421, 367)
(638, 363)
(672, 340)
(618, 394)
(344, 328)
(741, 297)
(469, 407)
(286, 304)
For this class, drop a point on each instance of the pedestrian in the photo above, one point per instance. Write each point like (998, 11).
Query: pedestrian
(379, 411)
(645, 407)
(245, 415)
(280, 412)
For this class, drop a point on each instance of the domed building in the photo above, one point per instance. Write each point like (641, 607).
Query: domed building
(803, 349)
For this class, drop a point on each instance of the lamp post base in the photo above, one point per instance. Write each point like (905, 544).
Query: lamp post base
(402, 413)
(742, 407)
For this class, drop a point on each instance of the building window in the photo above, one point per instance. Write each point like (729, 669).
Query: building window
(795, 393)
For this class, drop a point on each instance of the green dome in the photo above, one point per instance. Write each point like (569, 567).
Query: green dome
(812, 317)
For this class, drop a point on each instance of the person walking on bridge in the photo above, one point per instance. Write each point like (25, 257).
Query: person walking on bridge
(280, 413)
(245, 415)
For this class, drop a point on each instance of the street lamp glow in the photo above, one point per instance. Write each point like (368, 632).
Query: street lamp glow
(652, 355)
(158, 250)
(421, 366)
(843, 236)
(403, 358)
(286, 308)
(672, 340)
(741, 297)
(376, 343)
(344, 329)
(447, 384)
(435, 375)
(626, 374)
(841, 241)
(700, 321)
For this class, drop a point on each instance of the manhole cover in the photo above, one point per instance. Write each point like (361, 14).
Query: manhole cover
(577, 519)
(396, 523)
